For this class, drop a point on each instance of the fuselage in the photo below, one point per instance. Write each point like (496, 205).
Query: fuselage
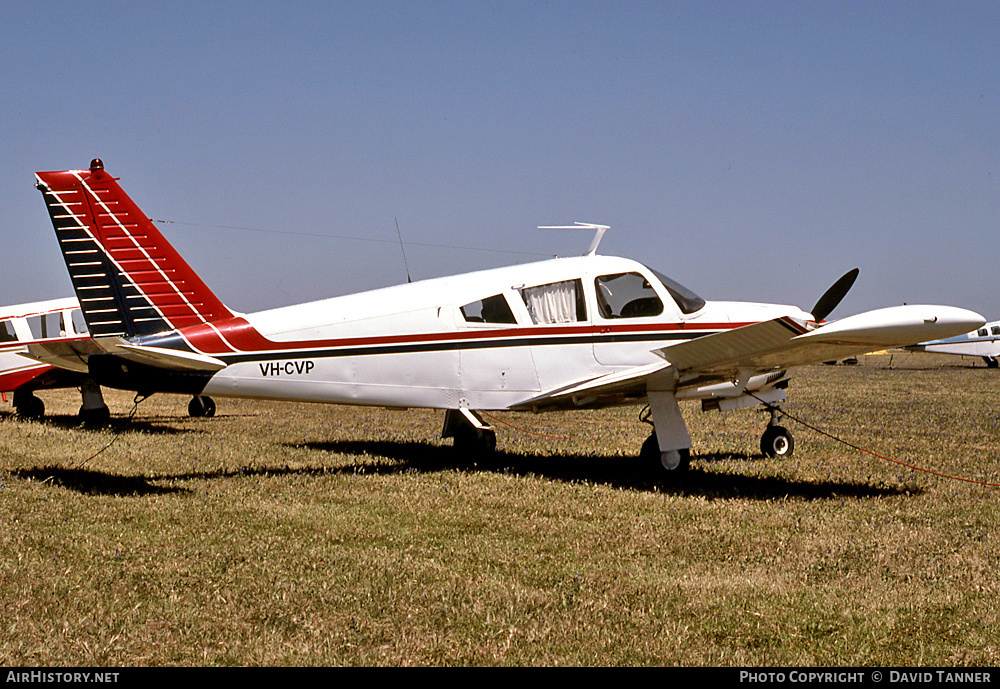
(484, 340)
(982, 342)
(43, 320)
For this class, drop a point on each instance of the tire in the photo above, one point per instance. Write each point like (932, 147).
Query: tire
(777, 442)
(476, 445)
(30, 407)
(98, 416)
(201, 406)
(662, 464)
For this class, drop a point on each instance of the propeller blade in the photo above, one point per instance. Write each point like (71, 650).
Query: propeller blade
(831, 298)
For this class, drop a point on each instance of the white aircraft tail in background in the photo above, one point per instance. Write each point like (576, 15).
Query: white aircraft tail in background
(569, 333)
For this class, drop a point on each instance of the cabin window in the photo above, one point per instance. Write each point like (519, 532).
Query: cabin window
(556, 302)
(79, 324)
(626, 295)
(493, 309)
(7, 333)
(45, 326)
(995, 329)
(982, 332)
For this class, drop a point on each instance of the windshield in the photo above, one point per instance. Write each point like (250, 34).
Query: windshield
(688, 301)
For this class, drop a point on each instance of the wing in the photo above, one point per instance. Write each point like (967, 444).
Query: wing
(757, 350)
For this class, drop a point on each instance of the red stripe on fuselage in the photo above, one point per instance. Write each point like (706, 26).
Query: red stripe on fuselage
(237, 334)
(14, 379)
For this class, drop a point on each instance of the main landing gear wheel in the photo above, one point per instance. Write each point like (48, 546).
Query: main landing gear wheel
(475, 443)
(777, 442)
(28, 406)
(201, 406)
(658, 463)
(97, 416)
(474, 440)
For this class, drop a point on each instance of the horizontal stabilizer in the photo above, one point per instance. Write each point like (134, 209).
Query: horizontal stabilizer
(72, 355)
(174, 359)
(68, 354)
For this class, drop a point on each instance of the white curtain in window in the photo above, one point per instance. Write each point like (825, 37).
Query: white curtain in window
(553, 303)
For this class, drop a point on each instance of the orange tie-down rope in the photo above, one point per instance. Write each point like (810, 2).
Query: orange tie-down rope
(876, 454)
(525, 430)
(807, 425)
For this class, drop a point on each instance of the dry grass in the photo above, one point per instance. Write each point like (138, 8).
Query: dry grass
(280, 534)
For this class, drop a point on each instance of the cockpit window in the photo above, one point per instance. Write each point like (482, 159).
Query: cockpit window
(687, 301)
(983, 332)
(626, 295)
(556, 302)
(493, 309)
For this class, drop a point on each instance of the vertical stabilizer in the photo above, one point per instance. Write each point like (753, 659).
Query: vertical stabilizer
(130, 281)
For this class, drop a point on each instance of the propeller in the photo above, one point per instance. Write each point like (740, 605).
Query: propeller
(831, 298)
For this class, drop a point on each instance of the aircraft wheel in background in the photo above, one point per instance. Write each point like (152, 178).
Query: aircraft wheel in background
(201, 406)
(28, 406)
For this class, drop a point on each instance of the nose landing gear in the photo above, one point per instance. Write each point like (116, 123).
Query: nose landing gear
(776, 441)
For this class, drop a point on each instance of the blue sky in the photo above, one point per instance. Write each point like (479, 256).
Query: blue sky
(751, 150)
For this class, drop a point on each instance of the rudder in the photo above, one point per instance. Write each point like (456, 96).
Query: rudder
(128, 278)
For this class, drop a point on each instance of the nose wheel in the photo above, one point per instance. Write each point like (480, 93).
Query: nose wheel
(776, 441)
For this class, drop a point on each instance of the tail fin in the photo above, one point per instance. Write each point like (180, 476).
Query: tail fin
(129, 279)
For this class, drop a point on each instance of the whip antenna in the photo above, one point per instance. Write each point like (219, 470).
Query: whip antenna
(405, 265)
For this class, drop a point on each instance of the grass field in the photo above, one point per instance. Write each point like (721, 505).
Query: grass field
(282, 534)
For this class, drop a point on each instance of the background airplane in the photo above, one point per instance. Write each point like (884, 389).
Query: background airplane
(983, 342)
(53, 322)
(566, 333)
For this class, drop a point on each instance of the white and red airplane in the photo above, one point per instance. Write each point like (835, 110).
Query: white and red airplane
(50, 321)
(565, 333)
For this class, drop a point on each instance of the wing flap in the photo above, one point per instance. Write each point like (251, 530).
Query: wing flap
(622, 385)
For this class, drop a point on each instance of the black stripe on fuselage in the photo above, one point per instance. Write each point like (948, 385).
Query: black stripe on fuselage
(451, 345)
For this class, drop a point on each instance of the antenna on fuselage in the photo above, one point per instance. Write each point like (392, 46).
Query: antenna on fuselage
(599, 231)
(400, 235)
